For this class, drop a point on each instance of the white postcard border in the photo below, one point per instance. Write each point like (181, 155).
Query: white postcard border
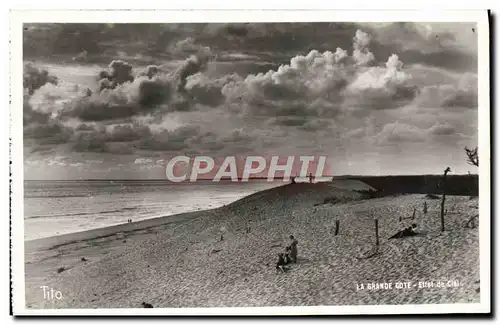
(17, 18)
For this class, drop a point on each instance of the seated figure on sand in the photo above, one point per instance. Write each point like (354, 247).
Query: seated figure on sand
(281, 264)
(293, 249)
(287, 258)
(409, 231)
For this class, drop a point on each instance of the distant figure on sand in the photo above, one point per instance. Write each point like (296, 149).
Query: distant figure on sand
(425, 207)
(280, 265)
(293, 249)
(410, 231)
(146, 305)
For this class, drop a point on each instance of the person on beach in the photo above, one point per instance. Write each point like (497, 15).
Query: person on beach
(410, 231)
(287, 258)
(293, 249)
(280, 265)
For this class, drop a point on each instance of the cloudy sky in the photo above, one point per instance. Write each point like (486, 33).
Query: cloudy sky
(119, 100)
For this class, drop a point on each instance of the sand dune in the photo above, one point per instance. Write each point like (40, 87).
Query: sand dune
(181, 261)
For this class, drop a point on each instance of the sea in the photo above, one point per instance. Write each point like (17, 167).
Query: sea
(54, 208)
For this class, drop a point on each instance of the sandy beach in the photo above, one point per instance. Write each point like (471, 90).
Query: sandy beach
(181, 261)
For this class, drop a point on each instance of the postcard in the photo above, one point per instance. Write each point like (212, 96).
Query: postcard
(250, 162)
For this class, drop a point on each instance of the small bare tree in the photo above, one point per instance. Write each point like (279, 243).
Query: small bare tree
(472, 156)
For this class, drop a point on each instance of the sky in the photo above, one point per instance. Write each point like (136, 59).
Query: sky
(119, 100)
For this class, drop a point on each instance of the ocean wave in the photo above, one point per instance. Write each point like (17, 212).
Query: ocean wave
(82, 213)
(55, 196)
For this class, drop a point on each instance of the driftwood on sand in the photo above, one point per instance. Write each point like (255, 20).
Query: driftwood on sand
(372, 253)
(471, 223)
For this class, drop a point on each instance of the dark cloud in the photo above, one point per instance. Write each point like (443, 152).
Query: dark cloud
(99, 41)
(150, 71)
(194, 139)
(59, 41)
(315, 125)
(289, 38)
(461, 98)
(75, 38)
(449, 59)
(119, 72)
(236, 30)
(208, 91)
(415, 44)
(122, 95)
(127, 133)
(85, 127)
(154, 92)
(92, 109)
(436, 46)
(34, 78)
(288, 121)
(194, 64)
(48, 133)
(90, 142)
(129, 138)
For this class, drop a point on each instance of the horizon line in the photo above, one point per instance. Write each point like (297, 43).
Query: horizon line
(240, 178)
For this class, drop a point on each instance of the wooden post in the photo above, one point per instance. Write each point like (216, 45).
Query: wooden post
(444, 197)
(337, 226)
(376, 231)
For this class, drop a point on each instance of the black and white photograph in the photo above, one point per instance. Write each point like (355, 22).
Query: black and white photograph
(189, 163)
